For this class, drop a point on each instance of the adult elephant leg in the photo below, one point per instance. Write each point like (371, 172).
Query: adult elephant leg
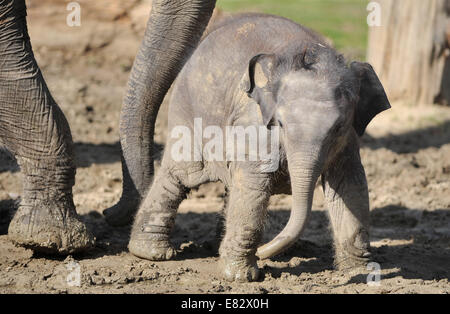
(172, 33)
(35, 130)
(346, 194)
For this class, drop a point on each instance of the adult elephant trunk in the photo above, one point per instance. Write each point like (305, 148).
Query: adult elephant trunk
(304, 171)
(173, 31)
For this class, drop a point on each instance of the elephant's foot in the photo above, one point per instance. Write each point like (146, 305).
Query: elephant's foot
(122, 213)
(240, 269)
(353, 254)
(50, 228)
(151, 249)
(346, 262)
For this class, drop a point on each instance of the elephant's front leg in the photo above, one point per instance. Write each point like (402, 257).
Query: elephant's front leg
(156, 218)
(245, 216)
(347, 198)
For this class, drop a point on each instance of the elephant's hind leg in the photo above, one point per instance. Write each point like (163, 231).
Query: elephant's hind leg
(156, 218)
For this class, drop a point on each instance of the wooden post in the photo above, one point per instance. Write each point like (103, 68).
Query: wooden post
(410, 50)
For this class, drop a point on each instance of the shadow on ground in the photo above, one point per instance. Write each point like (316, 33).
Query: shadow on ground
(411, 142)
(7, 210)
(87, 154)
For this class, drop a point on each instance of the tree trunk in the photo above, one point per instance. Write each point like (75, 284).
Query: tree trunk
(410, 50)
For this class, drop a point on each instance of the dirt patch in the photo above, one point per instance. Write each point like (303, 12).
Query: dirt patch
(405, 152)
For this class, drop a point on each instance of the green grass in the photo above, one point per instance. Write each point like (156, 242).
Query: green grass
(343, 21)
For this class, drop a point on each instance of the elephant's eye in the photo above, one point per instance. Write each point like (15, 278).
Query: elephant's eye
(280, 123)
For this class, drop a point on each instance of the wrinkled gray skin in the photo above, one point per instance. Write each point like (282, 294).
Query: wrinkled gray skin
(34, 129)
(267, 70)
(173, 31)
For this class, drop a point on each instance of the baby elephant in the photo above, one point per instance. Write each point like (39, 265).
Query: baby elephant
(263, 72)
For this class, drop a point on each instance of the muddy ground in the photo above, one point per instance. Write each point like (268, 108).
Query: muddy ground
(406, 153)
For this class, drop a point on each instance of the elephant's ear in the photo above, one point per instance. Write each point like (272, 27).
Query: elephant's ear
(258, 84)
(372, 97)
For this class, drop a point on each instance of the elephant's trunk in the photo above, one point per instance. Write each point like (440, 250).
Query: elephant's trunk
(173, 31)
(304, 171)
